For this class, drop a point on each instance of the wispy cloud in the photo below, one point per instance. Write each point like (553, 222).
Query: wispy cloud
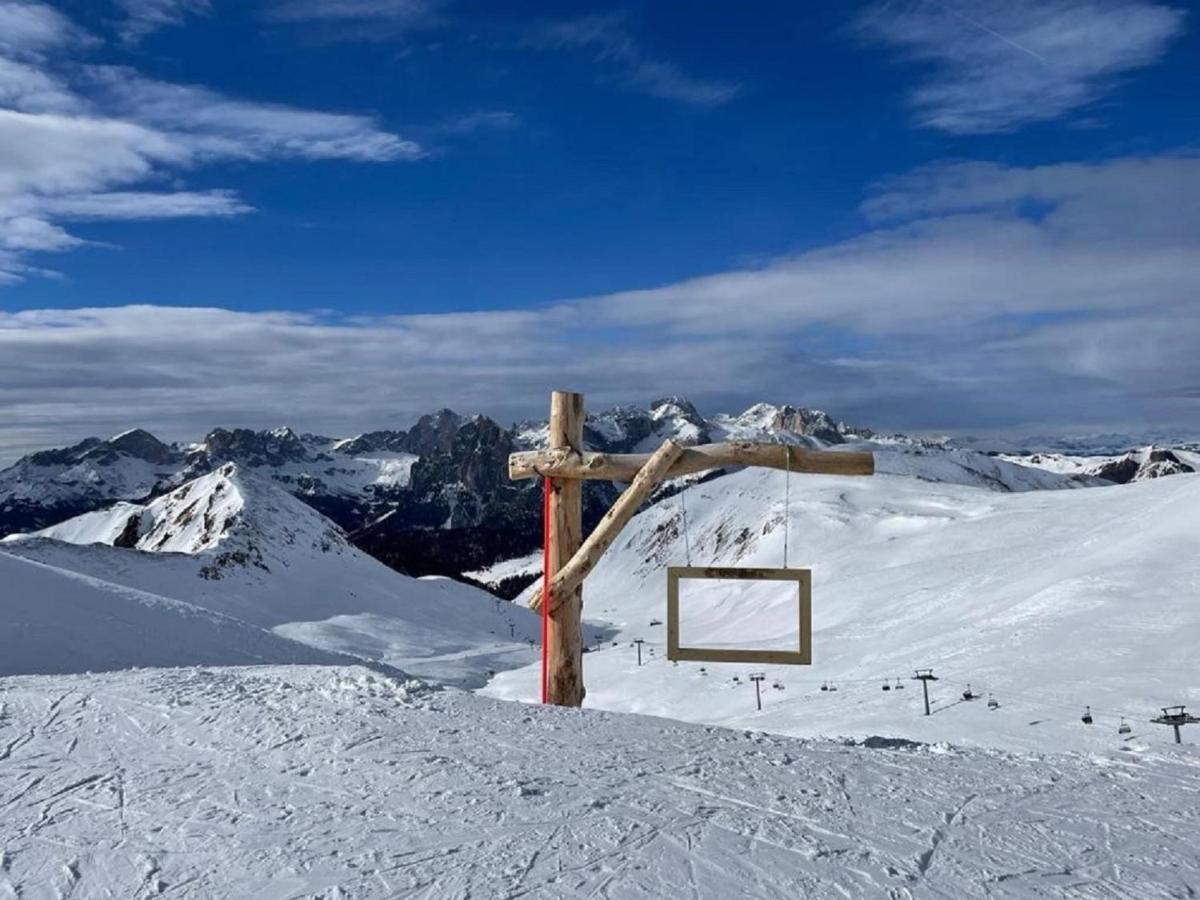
(997, 66)
(143, 17)
(957, 310)
(610, 43)
(355, 10)
(94, 142)
(219, 126)
(358, 20)
(31, 28)
(479, 120)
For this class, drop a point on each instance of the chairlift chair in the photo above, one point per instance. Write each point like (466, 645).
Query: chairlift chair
(886, 686)
(968, 695)
(899, 685)
(1125, 728)
(993, 703)
(824, 686)
(1087, 715)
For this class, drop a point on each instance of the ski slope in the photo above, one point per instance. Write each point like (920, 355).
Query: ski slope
(237, 545)
(1049, 599)
(55, 621)
(335, 782)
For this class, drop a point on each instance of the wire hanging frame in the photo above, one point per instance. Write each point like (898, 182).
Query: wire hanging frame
(687, 544)
(800, 578)
(787, 499)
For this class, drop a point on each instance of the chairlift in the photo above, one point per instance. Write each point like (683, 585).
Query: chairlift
(824, 686)
(703, 671)
(886, 686)
(1087, 715)
(993, 703)
(899, 685)
(832, 686)
(778, 685)
(1125, 728)
(968, 694)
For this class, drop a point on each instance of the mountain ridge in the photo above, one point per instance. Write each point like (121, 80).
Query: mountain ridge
(430, 499)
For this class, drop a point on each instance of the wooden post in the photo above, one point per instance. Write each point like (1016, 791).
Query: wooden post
(564, 640)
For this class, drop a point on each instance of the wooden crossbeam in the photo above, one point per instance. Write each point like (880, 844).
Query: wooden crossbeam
(580, 565)
(571, 463)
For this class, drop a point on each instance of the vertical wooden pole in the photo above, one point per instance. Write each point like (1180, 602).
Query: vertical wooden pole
(564, 644)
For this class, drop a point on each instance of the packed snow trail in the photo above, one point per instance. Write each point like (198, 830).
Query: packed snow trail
(290, 782)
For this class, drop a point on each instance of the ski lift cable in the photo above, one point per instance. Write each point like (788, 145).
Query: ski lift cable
(1040, 700)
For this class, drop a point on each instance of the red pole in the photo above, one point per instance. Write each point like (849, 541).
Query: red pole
(546, 488)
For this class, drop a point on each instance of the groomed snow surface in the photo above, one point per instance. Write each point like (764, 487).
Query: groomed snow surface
(335, 782)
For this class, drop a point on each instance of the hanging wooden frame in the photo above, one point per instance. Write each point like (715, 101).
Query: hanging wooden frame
(802, 578)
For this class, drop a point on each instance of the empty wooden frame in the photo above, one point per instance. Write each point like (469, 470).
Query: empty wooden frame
(802, 578)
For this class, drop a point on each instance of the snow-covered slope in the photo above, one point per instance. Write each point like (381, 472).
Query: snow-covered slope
(322, 783)
(1136, 465)
(1051, 600)
(948, 465)
(239, 545)
(55, 621)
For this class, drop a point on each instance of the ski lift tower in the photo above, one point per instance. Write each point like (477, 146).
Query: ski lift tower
(1175, 716)
(925, 676)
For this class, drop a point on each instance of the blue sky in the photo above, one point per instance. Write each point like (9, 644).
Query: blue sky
(935, 216)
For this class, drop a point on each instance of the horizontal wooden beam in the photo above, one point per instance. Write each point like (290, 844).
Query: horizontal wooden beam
(625, 466)
(571, 575)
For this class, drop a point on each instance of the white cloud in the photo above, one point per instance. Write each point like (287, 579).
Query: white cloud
(218, 126)
(28, 88)
(50, 154)
(143, 17)
(135, 205)
(93, 142)
(998, 66)
(29, 29)
(968, 314)
(610, 42)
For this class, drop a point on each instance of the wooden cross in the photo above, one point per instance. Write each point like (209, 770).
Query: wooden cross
(571, 558)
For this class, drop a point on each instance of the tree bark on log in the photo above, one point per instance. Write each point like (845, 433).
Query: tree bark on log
(559, 462)
(571, 575)
(564, 639)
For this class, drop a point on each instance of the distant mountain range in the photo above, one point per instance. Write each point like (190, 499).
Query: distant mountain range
(435, 499)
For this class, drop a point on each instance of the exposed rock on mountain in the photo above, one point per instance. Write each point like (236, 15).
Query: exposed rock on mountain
(435, 499)
(1149, 463)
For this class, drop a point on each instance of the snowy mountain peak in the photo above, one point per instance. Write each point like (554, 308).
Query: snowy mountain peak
(272, 448)
(246, 518)
(665, 407)
(139, 443)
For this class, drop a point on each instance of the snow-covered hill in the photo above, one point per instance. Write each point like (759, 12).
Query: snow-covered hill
(236, 544)
(325, 782)
(1050, 600)
(56, 621)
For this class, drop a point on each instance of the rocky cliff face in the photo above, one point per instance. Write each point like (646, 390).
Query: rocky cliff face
(1151, 462)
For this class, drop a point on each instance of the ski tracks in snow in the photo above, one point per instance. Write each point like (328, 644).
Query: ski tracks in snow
(296, 782)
